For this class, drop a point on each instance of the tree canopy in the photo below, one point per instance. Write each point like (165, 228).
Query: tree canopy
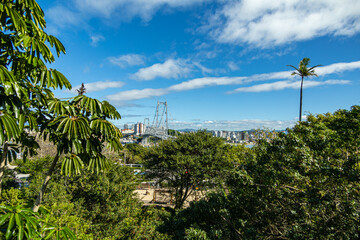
(191, 160)
(300, 185)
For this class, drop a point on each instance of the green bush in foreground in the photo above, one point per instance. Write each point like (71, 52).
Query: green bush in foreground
(19, 222)
(95, 206)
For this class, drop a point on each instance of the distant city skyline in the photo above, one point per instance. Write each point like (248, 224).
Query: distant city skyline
(220, 65)
(239, 125)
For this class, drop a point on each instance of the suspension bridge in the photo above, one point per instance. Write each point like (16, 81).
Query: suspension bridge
(160, 125)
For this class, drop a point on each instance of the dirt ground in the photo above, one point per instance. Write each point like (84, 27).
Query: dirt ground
(163, 197)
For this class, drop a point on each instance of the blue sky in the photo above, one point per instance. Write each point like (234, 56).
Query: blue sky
(218, 64)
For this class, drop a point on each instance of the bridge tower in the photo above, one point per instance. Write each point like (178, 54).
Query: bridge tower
(160, 125)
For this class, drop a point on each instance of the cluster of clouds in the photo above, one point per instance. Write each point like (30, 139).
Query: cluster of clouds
(196, 83)
(221, 81)
(258, 23)
(249, 23)
(169, 69)
(79, 12)
(264, 23)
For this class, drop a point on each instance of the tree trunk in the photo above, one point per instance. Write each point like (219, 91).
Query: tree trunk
(301, 95)
(46, 181)
(178, 197)
(2, 163)
(182, 196)
(185, 196)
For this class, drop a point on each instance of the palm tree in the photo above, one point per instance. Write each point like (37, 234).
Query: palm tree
(303, 71)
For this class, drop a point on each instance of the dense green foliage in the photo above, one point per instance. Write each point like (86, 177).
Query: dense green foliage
(189, 161)
(93, 206)
(18, 221)
(134, 153)
(78, 126)
(173, 132)
(301, 185)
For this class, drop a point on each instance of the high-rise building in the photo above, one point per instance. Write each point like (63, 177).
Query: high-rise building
(139, 128)
(126, 126)
(136, 129)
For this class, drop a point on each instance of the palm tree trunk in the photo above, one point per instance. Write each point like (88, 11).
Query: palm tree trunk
(2, 163)
(301, 95)
(46, 181)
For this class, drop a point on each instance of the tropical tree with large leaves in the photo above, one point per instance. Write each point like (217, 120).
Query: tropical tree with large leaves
(78, 126)
(25, 79)
(303, 71)
(80, 130)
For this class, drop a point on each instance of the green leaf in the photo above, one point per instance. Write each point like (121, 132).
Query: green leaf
(9, 231)
(3, 218)
(21, 121)
(2, 136)
(20, 226)
(8, 122)
(50, 234)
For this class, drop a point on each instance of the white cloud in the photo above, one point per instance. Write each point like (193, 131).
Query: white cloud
(202, 45)
(275, 86)
(63, 16)
(264, 23)
(320, 71)
(129, 9)
(233, 66)
(79, 12)
(270, 76)
(203, 69)
(136, 94)
(127, 60)
(99, 86)
(171, 68)
(205, 82)
(337, 68)
(95, 39)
